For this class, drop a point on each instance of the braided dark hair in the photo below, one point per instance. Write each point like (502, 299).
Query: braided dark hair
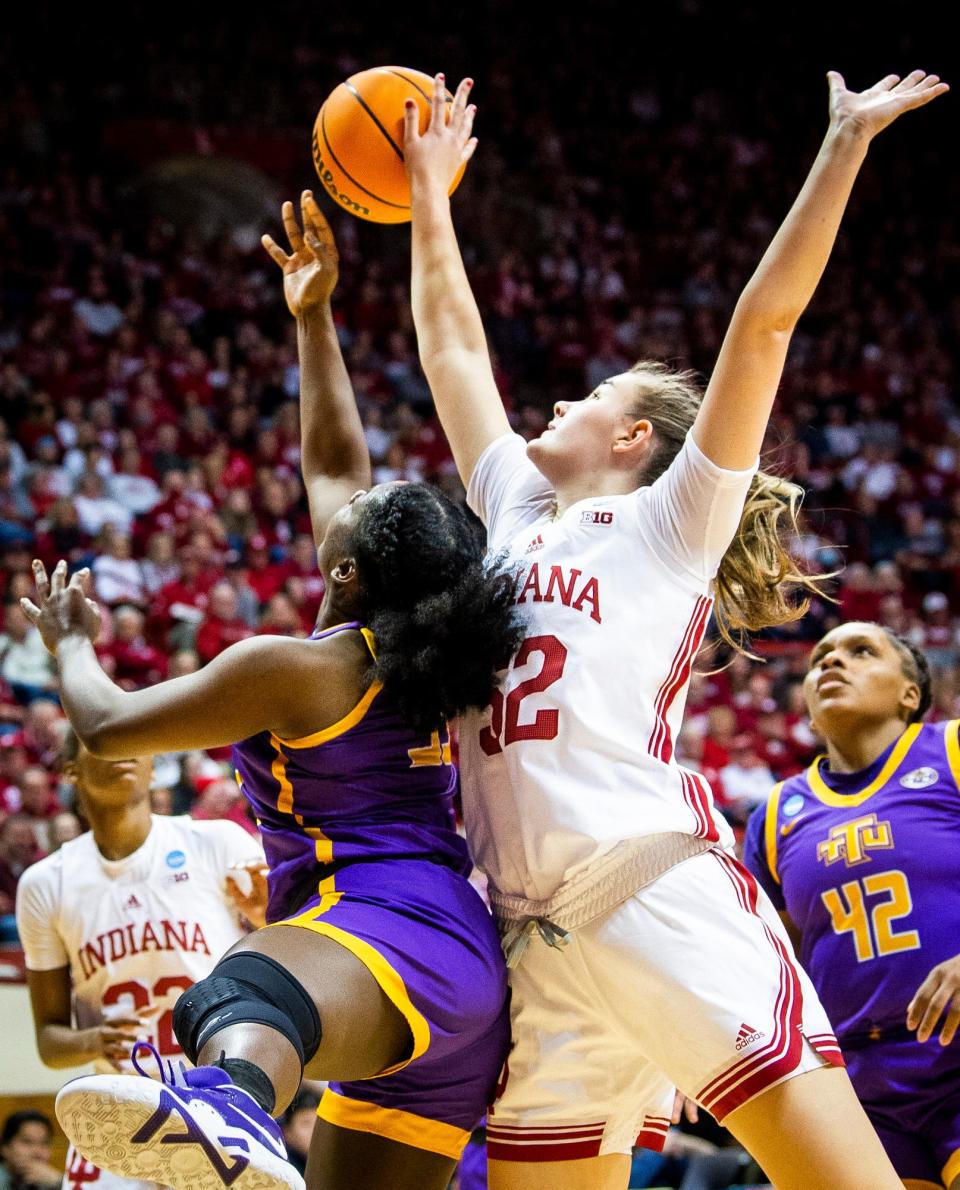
(444, 623)
(916, 668)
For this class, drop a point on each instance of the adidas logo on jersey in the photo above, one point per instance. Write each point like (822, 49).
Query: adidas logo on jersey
(748, 1036)
(536, 544)
(132, 902)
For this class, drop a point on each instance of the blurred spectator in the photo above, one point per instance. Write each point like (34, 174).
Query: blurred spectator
(96, 509)
(38, 802)
(221, 626)
(26, 1140)
(61, 828)
(129, 658)
(220, 797)
(25, 664)
(747, 780)
(298, 1123)
(42, 735)
(117, 578)
(18, 850)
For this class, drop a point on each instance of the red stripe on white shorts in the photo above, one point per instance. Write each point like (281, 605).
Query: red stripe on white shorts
(660, 743)
(653, 1133)
(754, 1073)
(565, 1142)
(827, 1046)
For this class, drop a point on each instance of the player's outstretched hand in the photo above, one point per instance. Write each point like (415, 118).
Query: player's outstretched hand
(446, 145)
(939, 993)
(114, 1040)
(872, 110)
(311, 268)
(64, 609)
(247, 889)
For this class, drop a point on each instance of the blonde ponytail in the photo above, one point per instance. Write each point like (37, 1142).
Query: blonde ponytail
(759, 583)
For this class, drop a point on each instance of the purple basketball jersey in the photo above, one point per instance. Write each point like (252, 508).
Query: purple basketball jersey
(366, 788)
(866, 866)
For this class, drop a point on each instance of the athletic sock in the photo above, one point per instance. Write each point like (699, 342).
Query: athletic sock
(250, 1078)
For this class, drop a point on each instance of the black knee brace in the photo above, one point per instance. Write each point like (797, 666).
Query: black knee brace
(247, 987)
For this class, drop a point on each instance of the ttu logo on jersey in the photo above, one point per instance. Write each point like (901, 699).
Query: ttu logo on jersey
(851, 841)
(747, 1036)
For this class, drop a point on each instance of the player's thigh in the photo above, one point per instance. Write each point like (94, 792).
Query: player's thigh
(363, 1032)
(812, 1131)
(697, 969)
(596, 1173)
(345, 1159)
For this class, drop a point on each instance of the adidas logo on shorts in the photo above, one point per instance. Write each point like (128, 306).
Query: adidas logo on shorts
(748, 1036)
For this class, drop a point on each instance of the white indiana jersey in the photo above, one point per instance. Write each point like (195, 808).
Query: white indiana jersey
(135, 932)
(578, 751)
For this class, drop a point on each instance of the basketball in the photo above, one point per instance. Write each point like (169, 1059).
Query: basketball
(358, 141)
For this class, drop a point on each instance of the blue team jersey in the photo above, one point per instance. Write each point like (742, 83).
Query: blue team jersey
(867, 865)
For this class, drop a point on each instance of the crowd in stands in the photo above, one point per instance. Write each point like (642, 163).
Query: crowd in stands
(149, 384)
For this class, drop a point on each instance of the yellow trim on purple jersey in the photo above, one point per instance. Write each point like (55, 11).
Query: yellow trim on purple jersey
(894, 760)
(279, 770)
(338, 728)
(390, 1122)
(389, 980)
(770, 829)
(951, 740)
(952, 1169)
(371, 643)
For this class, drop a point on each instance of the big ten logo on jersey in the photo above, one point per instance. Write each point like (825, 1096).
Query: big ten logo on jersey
(852, 841)
(175, 860)
(596, 516)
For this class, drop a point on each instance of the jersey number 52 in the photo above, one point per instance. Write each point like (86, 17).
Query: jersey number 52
(506, 724)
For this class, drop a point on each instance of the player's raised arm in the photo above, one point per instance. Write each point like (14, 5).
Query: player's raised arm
(334, 454)
(450, 335)
(732, 420)
(255, 685)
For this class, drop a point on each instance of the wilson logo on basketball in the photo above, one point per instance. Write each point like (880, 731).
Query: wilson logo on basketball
(748, 1036)
(326, 176)
(596, 518)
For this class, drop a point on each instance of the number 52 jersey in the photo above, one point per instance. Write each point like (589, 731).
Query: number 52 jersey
(867, 868)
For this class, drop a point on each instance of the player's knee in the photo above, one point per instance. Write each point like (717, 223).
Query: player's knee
(247, 987)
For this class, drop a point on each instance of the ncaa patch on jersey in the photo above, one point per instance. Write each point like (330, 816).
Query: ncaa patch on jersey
(793, 805)
(920, 778)
(176, 859)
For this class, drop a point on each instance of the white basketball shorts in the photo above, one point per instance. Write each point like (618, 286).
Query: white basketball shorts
(689, 983)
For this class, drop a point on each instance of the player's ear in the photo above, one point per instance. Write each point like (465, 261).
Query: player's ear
(344, 571)
(910, 700)
(633, 440)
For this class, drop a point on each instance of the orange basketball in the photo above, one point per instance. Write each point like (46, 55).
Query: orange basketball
(358, 141)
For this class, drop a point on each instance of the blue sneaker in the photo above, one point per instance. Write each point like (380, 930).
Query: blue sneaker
(192, 1130)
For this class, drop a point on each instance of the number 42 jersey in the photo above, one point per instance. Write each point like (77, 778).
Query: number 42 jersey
(866, 865)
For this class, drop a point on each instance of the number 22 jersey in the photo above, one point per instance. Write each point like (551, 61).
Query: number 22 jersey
(135, 932)
(866, 865)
